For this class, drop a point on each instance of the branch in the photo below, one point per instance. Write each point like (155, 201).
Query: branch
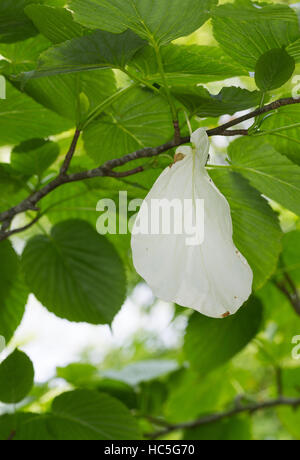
(251, 409)
(70, 154)
(29, 204)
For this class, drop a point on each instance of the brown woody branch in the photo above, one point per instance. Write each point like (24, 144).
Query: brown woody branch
(30, 203)
(237, 410)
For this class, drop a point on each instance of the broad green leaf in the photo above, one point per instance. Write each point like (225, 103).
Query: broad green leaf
(192, 395)
(272, 174)
(79, 375)
(8, 268)
(186, 64)
(286, 142)
(294, 50)
(247, 30)
(75, 273)
(159, 22)
(23, 56)
(24, 427)
(14, 24)
(34, 156)
(138, 119)
(291, 255)
(60, 93)
(290, 418)
(12, 307)
(256, 230)
(233, 429)
(203, 104)
(273, 69)
(88, 415)
(56, 24)
(13, 294)
(99, 50)
(142, 371)
(21, 118)
(16, 377)
(210, 343)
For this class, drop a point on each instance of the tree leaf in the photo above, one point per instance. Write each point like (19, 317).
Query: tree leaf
(56, 24)
(88, 415)
(185, 64)
(246, 30)
(161, 21)
(13, 294)
(34, 156)
(291, 255)
(273, 69)
(272, 174)
(287, 141)
(8, 268)
(24, 427)
(138, 119)
(206, 338)
(142, 371)
(98, 50)
(294, 50)
(14, 24)
(203, 104)
(75, 273)
(256, 230)
(16, 377)
(233, 429)
(22, 119)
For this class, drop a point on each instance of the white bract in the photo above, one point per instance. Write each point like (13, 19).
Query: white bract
(205, 272)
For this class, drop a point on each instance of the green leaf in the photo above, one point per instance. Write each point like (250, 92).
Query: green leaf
(34, 156)
(185, 64)
(273, 69)
(234, 429)
(13, 294)
(14, 24)
(291, 255)
(56, 24)
(247, 30)
(22, 119)
(99, 50)
(87, 415)
(60, 93)
(161, 21)
(24, 427)
(290, 418)
(203, 104)
(142, 371)
(63, 93)
(294, 50)
(206, 338)
(271, 173)
(23, 56)
(256, 230)
(16, 377)
(75, 273)
(8, 268)
(12, 307)
(286, 142)
(138, 119)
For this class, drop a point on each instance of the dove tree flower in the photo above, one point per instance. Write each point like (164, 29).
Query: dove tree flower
(211, 276)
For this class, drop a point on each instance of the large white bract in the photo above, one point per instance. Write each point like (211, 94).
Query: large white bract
(212, 277)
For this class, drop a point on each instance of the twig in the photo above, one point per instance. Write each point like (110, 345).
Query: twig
(70, 153)
(251, 409)
(106, 169)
